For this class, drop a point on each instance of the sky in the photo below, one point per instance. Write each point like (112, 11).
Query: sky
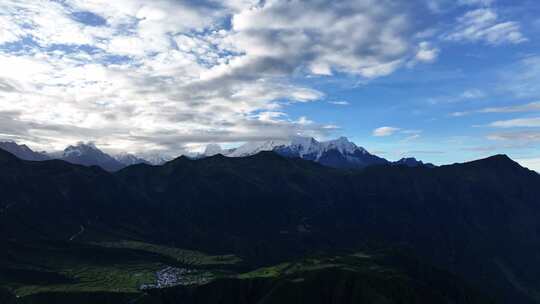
(442, 80)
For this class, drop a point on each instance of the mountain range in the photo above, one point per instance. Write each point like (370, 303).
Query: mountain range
(477, 221)
(23, 151)
(338, 153)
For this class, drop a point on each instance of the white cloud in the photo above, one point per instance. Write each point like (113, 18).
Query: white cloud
(529, 107)
(359, 37)
(528, 137)
(473, 94)
(339, 102)
(476, 2)
(164, 74)
(385, 131)
(483, 25)
(440, 6)
(530, 163)
(467, 95)
(426, 52)
(517, 123)
(522, 78)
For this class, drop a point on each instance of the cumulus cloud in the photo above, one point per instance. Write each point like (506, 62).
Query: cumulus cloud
(365, 37)
(385, 131)
(483, 25)
(161, 75)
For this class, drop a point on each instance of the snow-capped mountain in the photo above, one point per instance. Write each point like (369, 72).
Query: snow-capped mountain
(157, 159)
(88, 154)
(338, 153)
(23, 151)
(252, 148)
(128, 159)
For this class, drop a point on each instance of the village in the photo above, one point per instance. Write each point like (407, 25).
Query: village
(172, 276)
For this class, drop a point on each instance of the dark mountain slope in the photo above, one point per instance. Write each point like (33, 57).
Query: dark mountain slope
(478, 219)
(57, 200)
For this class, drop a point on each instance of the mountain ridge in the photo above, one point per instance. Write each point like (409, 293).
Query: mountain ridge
(336, 153)
(269, 208)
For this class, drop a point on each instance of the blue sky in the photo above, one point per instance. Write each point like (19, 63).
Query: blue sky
(445, 81)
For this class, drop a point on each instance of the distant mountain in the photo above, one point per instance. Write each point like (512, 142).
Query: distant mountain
(338, 153)
(215, 149)
(23, 151)
(413, 162)
(127, 159)
(157, 159)
(88, 154)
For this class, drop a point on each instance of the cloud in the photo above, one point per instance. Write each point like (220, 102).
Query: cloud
(476, 2)
(339, 102)
(385, 131)
(441, 6)
(528, 137)
(411, 138)
(517, 123)
(365, 38)
(530, 163)
(426, 52)
(143, 75)
(529, 107)
(522, 78)
(483, 25)
(472, 94)
(467, 95)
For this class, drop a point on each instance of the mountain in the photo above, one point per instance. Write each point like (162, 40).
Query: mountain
(88, 154)
(412, 162)
(339, 153)
(477, 220)
(127, 159)
(214, 149)
(23, 151)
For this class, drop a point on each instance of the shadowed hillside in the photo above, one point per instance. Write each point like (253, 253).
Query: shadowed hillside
(477, 220)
